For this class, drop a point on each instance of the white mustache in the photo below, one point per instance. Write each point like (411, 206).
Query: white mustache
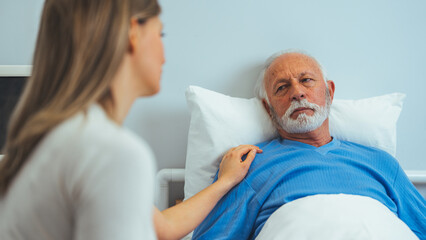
(301, 104)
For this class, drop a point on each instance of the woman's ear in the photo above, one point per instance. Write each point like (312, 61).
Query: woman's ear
(133, 35)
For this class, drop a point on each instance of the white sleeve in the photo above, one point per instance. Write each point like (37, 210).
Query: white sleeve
(113, 197)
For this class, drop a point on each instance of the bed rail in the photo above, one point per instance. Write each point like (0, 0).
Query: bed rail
(167, 175)
(416, 177)
(164, 177)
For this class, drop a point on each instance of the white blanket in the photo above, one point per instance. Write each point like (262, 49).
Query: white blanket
(336, 216)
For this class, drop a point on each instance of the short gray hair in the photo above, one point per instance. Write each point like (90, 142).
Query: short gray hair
(259, 88)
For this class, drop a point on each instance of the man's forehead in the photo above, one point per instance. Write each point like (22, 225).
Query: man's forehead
(293, 63)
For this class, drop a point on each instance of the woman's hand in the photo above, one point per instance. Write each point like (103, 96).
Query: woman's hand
(179, 220)
(233, 169)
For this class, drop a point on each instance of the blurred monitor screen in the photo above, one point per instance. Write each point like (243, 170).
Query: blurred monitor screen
(10, 91)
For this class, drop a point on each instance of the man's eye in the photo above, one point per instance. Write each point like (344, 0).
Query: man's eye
(282, 87)
(306, 79)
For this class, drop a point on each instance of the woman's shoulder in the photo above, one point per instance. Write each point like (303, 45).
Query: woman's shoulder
(94, 134)
(89, 145)
(88, 150)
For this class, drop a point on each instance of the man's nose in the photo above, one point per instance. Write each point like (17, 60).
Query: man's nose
(298, 93)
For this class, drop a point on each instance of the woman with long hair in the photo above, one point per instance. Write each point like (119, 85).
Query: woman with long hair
(70, 170)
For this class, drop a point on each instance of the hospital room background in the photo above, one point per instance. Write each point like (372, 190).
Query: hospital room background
(369, 48)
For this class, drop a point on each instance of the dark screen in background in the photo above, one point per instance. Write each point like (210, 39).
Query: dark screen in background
(10, 90)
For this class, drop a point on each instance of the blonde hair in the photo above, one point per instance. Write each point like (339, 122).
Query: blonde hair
(79, 48)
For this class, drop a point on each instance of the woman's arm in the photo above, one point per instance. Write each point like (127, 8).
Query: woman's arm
(179, 220)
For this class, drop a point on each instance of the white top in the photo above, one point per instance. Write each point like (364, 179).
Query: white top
(88, 179)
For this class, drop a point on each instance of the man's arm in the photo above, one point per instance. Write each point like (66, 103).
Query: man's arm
(411, 205)
(233, 217)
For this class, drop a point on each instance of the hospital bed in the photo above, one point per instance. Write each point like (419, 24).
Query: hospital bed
(166, 178)
(214, 130)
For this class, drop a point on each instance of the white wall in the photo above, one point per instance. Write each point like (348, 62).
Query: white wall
(369, 48)
(19, 21)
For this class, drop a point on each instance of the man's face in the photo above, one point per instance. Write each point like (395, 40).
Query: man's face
(298, 96)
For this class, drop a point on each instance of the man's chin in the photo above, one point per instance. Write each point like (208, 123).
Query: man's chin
(299, 131)
(301, 125)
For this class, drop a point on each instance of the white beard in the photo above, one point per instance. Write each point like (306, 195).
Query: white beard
(303, 123)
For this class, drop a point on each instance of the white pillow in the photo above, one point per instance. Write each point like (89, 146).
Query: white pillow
(220, 122)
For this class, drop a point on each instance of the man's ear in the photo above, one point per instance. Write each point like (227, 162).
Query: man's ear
(331, 88)
(266, 106)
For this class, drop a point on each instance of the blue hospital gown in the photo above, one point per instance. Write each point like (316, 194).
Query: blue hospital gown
(289, 170)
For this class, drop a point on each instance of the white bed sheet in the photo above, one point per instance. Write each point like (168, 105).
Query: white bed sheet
(335, 216)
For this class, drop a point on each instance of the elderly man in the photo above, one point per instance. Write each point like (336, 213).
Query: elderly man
(306, 160)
